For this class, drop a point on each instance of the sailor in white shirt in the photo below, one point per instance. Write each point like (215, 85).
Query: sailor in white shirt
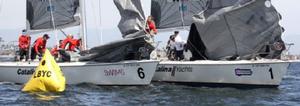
(179, 46)
(171, 48)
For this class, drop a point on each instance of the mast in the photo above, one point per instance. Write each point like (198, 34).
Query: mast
(100, 18)
(83, 29)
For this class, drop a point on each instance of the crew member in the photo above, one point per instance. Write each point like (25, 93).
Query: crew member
(24, 43)
(39, 46)
(70, 48)
(150, 27)
(67, 43)
(54, 50)
(171, 47)
(76, 44)
(179, 46)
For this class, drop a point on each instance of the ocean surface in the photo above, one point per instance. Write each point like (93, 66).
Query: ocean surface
(287, 94)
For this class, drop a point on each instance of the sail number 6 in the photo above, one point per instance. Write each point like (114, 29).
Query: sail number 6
(141, 73)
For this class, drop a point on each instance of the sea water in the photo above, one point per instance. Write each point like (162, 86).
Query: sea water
(287, 94)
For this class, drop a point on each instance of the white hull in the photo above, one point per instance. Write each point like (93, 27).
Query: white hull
(120, 73)
(262, 72)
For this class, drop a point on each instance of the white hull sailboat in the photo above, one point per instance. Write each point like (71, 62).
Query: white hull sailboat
(119, 73)
(112, 69)
(222, 73)
(234, 33)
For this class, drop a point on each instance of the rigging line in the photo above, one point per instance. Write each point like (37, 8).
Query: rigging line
(181, 8)
(60, 5)
(195, 48)
(63, 32)
(53, 23)
(233, 38)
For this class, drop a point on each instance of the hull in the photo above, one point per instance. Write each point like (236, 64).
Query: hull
(215, 73)
(120, 73)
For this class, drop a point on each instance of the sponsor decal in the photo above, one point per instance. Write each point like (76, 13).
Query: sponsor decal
(114, 72)
(25, 71)
(50, 8)
(243, 72)
(174, 69)
(261, 65)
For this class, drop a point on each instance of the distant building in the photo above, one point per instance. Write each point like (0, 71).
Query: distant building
(8, 48)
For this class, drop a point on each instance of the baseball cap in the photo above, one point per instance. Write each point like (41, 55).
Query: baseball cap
(46, 35)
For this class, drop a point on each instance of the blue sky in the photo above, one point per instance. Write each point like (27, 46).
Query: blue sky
(12, 21)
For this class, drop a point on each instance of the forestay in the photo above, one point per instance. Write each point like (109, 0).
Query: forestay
(237, 28)
(64, 14)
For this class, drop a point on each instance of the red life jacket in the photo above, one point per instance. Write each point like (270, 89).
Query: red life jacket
(24, 42)
(54, 51)
(40, 44)
(68, 41)
(151, 27)
(75, 44)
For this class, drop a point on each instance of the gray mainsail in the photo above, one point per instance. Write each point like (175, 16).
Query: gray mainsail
(39, 14)
(215, 5)
(133, 46)
(132, 21)
(175, 13)
(126, 49)
(245, 29)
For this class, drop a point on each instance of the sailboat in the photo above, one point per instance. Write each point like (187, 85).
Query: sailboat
(112, 69)
(233, 42)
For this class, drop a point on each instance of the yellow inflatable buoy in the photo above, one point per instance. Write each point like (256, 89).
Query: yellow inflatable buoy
(47, 77)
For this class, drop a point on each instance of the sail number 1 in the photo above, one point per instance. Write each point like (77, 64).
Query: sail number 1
(141, 73)
(271, 73)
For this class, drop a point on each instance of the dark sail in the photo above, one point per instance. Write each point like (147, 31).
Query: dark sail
(39, 14)
(132, 18)
(245, 29)
(133, 46)
(126, 49)
(175, 13)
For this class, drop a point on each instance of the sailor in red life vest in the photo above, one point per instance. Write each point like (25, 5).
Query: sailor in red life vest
(76, 45)
(67, 43)
(150, 26)
(24, 43)
(70, 48)
(54, 50)
(39, 46)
